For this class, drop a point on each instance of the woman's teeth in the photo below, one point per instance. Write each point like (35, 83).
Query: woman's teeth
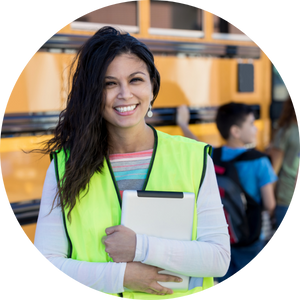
(125, 108)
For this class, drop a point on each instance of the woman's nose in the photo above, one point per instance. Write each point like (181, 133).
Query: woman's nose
(125, 92)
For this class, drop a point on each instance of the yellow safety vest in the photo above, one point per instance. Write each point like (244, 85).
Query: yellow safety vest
(178, 164)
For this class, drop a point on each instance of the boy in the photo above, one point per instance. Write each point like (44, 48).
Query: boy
(235, 122)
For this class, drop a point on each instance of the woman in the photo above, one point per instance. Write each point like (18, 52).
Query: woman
(102, 146)
(284, 153)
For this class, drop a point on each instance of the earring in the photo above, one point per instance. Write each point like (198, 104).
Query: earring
(150, 113)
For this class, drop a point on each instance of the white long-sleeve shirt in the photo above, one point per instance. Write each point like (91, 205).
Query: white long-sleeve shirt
(208, 256)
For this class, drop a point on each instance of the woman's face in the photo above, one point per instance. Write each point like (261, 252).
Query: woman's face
(128, 92)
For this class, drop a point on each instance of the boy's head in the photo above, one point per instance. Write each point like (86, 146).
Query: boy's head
(236, 120)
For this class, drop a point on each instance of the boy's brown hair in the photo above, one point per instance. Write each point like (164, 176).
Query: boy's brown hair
(231, 114)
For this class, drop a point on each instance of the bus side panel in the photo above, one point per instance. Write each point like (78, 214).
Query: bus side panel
(42, 86)
(23, 177)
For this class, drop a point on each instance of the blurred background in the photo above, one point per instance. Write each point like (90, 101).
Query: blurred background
(204, 62)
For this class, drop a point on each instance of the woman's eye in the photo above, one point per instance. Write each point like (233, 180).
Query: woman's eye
(109, 83)
(136, 79)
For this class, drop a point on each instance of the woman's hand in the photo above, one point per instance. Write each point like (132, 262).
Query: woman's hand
(143, 278)
(120, 243)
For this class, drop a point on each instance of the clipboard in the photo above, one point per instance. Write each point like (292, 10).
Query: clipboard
(167, 215)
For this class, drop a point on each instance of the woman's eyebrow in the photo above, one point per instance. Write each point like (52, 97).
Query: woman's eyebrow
(138, 72)
(131, 75)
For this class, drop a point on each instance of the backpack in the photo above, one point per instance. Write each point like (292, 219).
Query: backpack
(243, 214)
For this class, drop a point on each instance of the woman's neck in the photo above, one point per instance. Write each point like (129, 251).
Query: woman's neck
(128, 140)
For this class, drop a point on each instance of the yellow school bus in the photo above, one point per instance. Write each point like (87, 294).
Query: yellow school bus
(203, 60)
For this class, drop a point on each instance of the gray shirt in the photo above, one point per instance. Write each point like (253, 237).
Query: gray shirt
(287, 140)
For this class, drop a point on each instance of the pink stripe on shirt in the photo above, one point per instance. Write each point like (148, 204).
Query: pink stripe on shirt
(130, 155)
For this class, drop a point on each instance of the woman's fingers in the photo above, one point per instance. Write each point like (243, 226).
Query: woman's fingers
(168, 278)
(157, 289)
(153, 292)
(145, 278)
(161, 290)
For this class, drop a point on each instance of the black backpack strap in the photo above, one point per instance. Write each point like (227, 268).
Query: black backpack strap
(216, 155)
(250, 154)
(253, 209)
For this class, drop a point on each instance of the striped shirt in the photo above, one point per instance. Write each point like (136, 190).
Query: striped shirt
(130, 169)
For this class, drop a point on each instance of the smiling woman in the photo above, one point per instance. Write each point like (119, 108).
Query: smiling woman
(103, 146)
(128, 96)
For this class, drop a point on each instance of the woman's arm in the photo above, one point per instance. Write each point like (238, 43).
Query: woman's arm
(52, 242)
(276, 155)
(268, 198)
(206, 257)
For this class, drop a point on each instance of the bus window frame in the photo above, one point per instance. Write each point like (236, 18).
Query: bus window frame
(93, 26)
(176, 32)
(90, 26)
(231, 37)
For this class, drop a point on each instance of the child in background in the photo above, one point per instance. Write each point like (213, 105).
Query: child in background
(235, 123)
(284, 153)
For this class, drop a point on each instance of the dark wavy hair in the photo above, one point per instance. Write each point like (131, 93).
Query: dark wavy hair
(288, 114)
(81, 131)
(231, 114)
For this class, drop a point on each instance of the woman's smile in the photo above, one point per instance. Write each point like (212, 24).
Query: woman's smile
(125, 110)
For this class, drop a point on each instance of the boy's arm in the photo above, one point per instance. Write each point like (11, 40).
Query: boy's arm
(182, 120)
(187, 132)
(268, 198)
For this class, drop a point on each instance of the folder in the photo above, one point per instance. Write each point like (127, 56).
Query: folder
(167, 215)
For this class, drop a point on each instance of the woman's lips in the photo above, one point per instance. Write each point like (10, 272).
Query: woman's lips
(125, 110)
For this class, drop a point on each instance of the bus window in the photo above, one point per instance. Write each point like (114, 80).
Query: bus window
(279, 95)
(279, 90)
(175, 19)
(224, 30)
(123, 16)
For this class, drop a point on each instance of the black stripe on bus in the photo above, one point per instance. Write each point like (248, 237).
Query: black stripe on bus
(36, 124)
(26, 212)
(72, 43)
